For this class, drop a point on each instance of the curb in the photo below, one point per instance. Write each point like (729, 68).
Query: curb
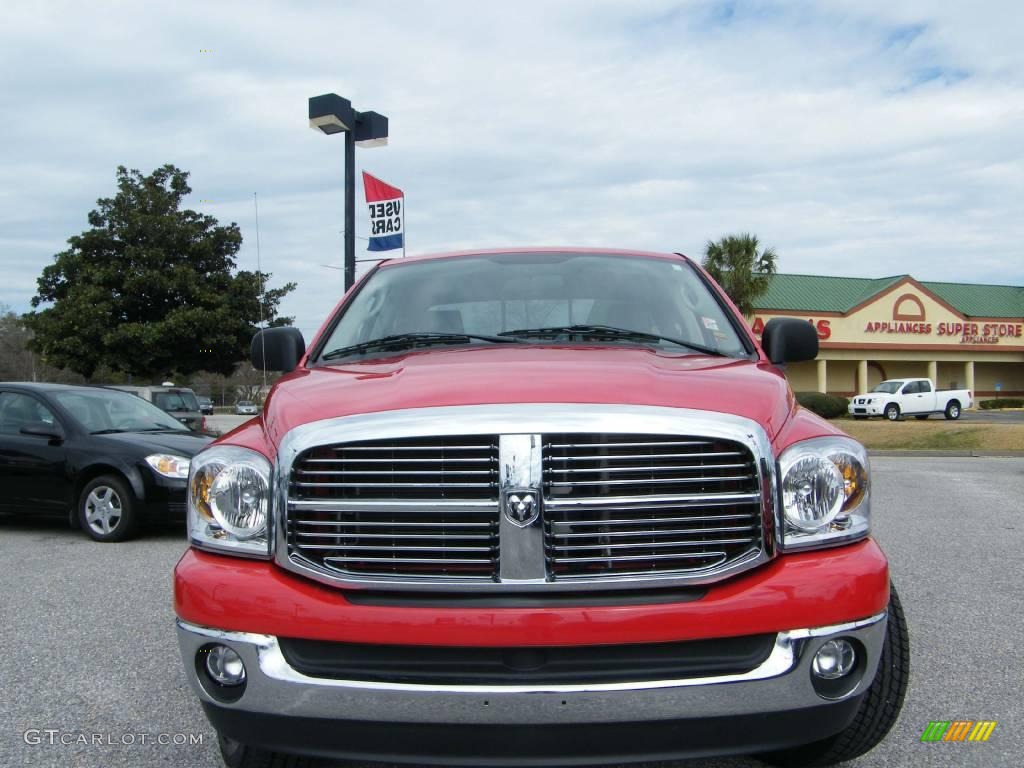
(946, 454)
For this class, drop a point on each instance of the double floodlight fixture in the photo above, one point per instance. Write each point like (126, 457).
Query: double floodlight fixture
(330, 113)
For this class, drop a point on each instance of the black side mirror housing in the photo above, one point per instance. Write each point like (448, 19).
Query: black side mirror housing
(43, 429)
(788, 340)
(277, 349)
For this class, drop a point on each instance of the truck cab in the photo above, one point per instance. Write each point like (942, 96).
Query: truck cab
(538, 507)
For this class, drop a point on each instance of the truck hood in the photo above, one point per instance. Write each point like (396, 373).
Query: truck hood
(503, 374)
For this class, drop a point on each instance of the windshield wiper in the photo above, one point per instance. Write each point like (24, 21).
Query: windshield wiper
(591, 331)
(107, 431)
(412, 340)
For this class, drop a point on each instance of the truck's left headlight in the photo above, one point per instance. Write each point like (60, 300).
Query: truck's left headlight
(229, 501)
(824, 492)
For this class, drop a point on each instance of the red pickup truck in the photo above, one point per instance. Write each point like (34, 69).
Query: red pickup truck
(537, 507)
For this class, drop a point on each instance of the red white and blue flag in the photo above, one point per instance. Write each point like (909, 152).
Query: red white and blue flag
(387, 217)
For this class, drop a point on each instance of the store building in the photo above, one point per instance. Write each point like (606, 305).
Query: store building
(959, 334)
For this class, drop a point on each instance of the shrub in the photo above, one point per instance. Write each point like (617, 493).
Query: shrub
(826, 406)
(1003, 402)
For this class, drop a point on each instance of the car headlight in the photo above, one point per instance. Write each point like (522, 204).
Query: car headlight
(229, 501)
(824, 492)
(169, 465)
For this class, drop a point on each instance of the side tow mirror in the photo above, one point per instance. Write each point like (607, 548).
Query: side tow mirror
(788, 340)
(43, 429)
(277, 349)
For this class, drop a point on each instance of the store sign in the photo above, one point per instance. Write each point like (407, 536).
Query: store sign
(965, 333)
(823, 327)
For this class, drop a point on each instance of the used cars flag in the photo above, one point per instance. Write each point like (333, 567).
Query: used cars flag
(387, 219)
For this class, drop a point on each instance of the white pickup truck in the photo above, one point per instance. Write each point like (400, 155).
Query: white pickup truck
(910, 397)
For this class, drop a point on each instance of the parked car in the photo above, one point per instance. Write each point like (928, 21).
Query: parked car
(246, 408)
(544, 508)
(106, 460)
(894, 398)
(180, 402)
(205, 406)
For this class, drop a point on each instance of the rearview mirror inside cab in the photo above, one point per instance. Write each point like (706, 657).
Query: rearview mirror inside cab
(277, 349)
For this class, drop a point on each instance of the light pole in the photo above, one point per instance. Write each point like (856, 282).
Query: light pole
(330, 114)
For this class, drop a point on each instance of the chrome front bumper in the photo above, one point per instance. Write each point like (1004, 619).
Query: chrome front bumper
(781, 683)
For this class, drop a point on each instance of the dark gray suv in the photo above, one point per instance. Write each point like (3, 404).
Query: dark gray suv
(180, 402)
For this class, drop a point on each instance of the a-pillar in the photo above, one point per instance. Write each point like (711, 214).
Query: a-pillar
(862, 376)
(969, 376)
(822, 375)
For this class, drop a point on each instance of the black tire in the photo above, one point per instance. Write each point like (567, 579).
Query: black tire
(238, 755)
(119, 520)
(953, 410)
(892, 412)
(878, 711)
(922, 417)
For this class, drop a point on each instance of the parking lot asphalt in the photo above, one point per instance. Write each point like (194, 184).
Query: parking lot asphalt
(87, 643)
(1008, 416)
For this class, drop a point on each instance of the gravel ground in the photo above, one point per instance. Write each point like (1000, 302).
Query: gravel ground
(88, 646)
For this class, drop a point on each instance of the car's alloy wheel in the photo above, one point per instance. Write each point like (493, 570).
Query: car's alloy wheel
(892, 412)
(953, 411)
(106, 509)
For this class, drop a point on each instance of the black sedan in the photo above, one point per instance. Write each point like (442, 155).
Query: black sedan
(108, 460)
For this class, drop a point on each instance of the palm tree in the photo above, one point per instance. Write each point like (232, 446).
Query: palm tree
(743, 272)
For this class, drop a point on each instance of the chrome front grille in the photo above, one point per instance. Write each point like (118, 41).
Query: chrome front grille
(619, 505)
(416, 507)
(427, 498)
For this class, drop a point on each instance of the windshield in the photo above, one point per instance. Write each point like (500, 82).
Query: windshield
(105, 410)
(889, 387)
(493, 294)
(175, 401)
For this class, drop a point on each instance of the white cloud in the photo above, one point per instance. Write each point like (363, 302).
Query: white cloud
(857, 136)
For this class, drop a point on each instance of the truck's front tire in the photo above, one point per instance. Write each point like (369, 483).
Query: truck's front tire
(239, 755)
(953, 410)
(892, 412)
(878, 711)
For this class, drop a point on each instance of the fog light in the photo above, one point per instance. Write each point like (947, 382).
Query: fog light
(834, 659)
(224, 665)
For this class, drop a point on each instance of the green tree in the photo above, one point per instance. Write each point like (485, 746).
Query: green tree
(150, 288)
(743, 271)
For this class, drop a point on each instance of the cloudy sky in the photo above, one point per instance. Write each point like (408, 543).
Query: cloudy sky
(857, 137)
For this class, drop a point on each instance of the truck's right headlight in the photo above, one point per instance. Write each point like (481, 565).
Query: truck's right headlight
(824, 492)
(229, 501)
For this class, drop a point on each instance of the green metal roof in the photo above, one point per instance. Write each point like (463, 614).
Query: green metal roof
(822, 293)
(981, 300)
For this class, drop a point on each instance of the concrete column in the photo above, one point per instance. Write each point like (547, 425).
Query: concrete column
(969, 375)
(933, 372)
(862, 376)
(822, 375)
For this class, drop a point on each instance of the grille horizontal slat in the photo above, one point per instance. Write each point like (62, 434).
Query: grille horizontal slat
(660, 543)
(394, 536)
(657, 468)
(648, 481)
(717, 556)
(656, 532)
(618, 505)
(648, 456)
(400, 524)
